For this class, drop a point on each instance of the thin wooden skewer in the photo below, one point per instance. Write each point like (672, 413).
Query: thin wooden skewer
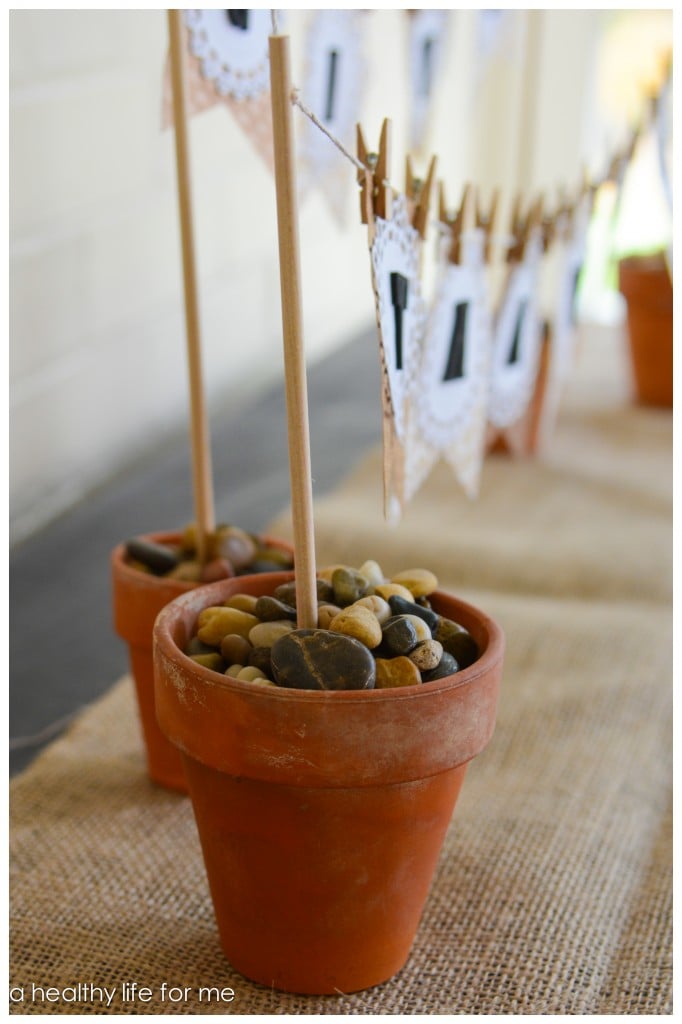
(292, 327)
(201, 447)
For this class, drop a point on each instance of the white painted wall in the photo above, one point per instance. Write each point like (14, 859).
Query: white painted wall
(97, 359)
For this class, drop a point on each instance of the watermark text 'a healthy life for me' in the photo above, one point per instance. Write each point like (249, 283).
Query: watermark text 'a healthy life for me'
(124, 992)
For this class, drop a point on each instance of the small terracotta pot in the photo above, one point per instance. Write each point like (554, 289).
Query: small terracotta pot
(645, 283)
(321, 814)
(138, 597)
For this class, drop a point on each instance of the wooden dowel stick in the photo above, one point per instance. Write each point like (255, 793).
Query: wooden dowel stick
(200, 440)
(292, 327)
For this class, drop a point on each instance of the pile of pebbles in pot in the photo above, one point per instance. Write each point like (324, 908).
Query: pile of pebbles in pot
(372, 633)
(231, 551)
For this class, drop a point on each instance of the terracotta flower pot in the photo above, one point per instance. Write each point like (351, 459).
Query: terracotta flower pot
(645, 283)
(321, 814)
(138, 597)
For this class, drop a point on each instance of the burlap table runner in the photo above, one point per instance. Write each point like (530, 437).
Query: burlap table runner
(553, 891)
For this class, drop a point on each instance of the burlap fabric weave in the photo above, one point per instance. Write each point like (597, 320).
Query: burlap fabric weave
(553, 891)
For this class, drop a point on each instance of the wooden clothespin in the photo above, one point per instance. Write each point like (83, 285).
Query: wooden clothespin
(518, 231)
(486, 220)
(375, 192)
(521, 227)
(418, 193)
(536, 219)
(454, 221)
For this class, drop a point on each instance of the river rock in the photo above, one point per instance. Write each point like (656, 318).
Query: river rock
(245, 603)
(217, 621)
(325, 614)
(426, 655)
(359, 622)
(396, 672)
(236, 545)
(235, 648)
(377, 606)
(420, 582)
(399, 635)
(456, 640)
(319, 659)
(270, 609)
(388, 590)
(349, 585)
(286, 592)
(447, 666)
(265, 634)
(399, 606)
(160, 558)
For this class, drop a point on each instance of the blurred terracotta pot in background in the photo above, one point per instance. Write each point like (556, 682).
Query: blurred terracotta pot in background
(645, 283)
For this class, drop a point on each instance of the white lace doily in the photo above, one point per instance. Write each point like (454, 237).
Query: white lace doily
(446, 408)
(513, 380)
(395, 250)
(233, 53)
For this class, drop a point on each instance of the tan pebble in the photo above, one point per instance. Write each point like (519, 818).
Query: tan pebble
(359, 622)
(234, 670)
(325, 614)
(212, 661)
(244, 602)
(262, 681)
(250, 672)
(141, 567)
(426, 655)
(188, 572)
(420, 582)
(373, 572)
(217, 621)
(235, 649)
(422, 630)
(387, 590)
(188, 541)
(266, 633)
(377, 605)
(396, 672)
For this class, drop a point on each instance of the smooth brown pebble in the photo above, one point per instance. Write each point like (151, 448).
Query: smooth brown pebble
(318, 659)
(349, 585)
(260, 657)
(270, 609)
(236, 545)
(235, 648)
(457, 641)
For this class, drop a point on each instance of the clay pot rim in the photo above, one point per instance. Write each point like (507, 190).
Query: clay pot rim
(491, 656)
